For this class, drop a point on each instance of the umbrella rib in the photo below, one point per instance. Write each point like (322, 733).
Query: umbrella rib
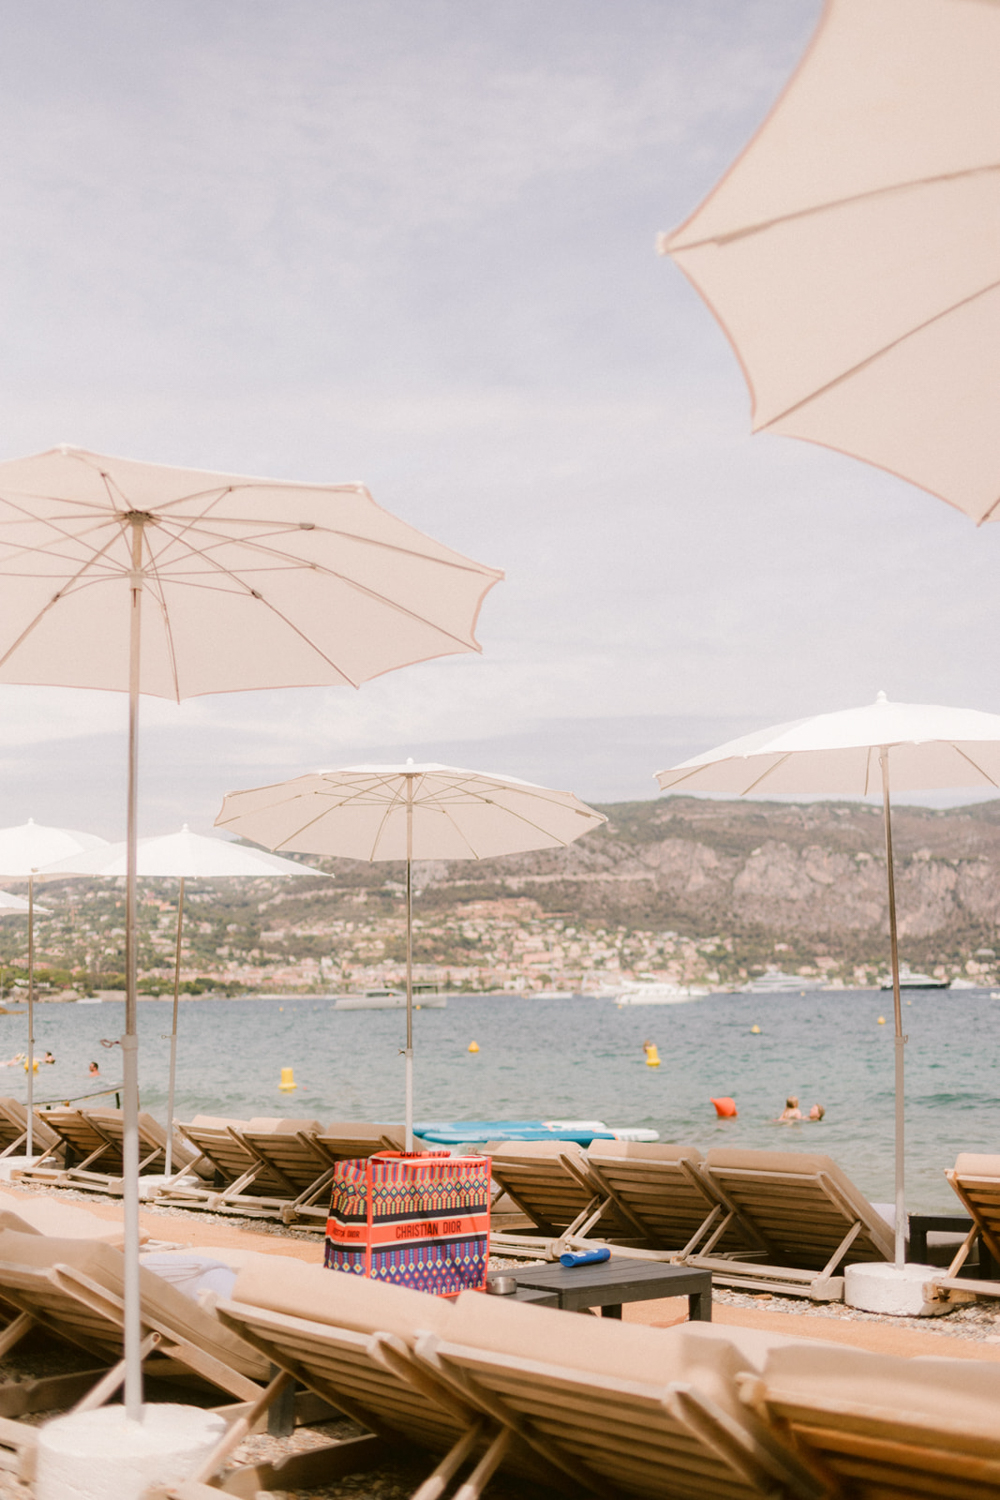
(765, 774)
(255, 544)
(168, 630)
(984, 774)
(877, 355)
(747, 231)
(395, 800)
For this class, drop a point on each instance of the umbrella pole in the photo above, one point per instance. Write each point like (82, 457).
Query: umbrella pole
(409, 963)
(173, 1033)
(29, 1142)
(900, 1040)
(130, 1041)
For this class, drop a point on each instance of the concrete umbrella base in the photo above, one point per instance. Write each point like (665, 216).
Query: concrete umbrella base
(879, 1287)
(101, 1455)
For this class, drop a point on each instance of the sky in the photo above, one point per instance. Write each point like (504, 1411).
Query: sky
(414, 245)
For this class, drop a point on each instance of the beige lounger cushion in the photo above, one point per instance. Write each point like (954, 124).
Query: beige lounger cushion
(161, 1304)
(264, 1125)
(973, 1164)
(924, 1426)
(341, 1300)
(43, 1215)
(218, 1122)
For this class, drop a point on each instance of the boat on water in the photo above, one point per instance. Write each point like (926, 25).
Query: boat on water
(389, 1000)
(657, 992)
(911, 981)
(774, 982)
(478, 1132)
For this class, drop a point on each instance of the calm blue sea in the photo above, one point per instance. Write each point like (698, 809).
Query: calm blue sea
(579, 1058)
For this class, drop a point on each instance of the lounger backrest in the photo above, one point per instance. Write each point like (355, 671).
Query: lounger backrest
(661, 1188)
(350, 1140)
(152, 1137)
(340, 1299)
(81, 1136)
(976, 1180)
(887, 1426)
(548, 1180)
(800, 1204)
(14, 1123)
(30, 1275)
(646, 1413)
(221, 1144)
(290, 1151)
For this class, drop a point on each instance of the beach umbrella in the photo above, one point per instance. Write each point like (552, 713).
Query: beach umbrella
(407, 812)
(852, 252)
(182, 856)
(24, 850)
(855, 753)
(252, 583)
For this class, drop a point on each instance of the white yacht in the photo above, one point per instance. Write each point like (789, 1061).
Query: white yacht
(774, 982)
(911, 981)
(389, 1000)
(658, 992)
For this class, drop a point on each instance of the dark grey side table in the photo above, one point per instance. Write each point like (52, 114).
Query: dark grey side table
(621, 1279)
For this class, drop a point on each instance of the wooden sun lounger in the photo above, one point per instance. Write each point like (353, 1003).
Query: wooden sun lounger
(243, 1182)
(350, 1342)
(14, 1130)
(806, 1215)
(878, 1427)
(976, 1180)
(83, 1146)
(549, 1181)
(297, 1158)
(619, 1408)
(349, 1140)
(104, 1172)
(661, 1192)
(75, 1289)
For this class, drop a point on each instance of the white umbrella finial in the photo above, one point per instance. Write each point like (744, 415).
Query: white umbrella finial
(881, 698)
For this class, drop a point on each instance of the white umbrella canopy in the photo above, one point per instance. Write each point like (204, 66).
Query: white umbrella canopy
(24, 850)
(852, 252)
(853, 753)
(182, 856)
(252, 583)
(408, 812)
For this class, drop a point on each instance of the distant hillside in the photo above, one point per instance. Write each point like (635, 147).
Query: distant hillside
(709, 889)
(811, 875)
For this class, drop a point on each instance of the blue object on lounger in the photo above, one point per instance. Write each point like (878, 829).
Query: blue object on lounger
(588, 1258)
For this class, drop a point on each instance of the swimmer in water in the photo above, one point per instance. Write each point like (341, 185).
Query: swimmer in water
(817, 1112)
(790, 1112)
(94, 1070)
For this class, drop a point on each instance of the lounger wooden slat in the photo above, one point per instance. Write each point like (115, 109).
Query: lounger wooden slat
(621, 1409)
(804, 1212)
(885, 1428)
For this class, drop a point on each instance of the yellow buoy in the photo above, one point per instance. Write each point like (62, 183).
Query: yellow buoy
(755, 1031)
(473, 1046)
(287, 1080)
(881, 1020)
(652, 1056)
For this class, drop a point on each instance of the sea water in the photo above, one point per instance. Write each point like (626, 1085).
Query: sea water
(576, 1058)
